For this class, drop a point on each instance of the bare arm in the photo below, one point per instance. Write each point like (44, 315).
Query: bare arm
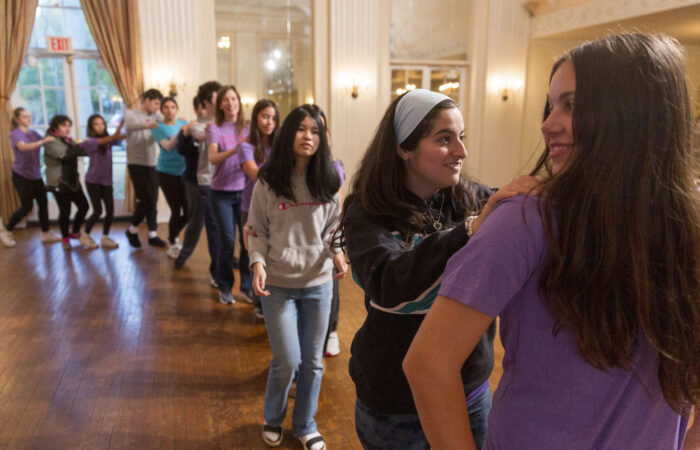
(434, 376)
(216, 157)
(29, 146)
(169, 144)
(692, 437)
(251, 170)
(112, 138)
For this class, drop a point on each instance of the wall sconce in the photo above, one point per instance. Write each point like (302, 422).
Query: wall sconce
(224, 43)
(247, 101)
(354, 85)
(170, 86)
(505, 87)
(448, 87)
(409, 87)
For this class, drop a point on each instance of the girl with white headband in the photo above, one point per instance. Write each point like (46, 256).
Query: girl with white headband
(409, 211)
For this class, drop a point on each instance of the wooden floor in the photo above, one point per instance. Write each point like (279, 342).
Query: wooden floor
(116, 349)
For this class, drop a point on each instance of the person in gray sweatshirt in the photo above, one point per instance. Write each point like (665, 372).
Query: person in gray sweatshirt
(293, 212)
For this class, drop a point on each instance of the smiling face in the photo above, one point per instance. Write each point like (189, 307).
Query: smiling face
(98, 126)
(169, 110)
(267, 121)
(306, 140)
(437, 161)
(230, 105)
(24, 119)
(557, 129)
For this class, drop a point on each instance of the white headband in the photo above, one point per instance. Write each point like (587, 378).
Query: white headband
(412, 108)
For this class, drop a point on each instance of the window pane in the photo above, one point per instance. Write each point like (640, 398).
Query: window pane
(52, 71)
(47, 21)
(28, 76)
(88, 103)
(31, 101)
(55, 102)
(85, 72)
(111, 107)
(73, 3)
(103, 77)
(445, 81)
(79, 31)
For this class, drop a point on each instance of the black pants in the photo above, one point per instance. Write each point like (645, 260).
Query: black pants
(29, 190)
(174, 189)
(145, 181)
(99, 194)
(195, 220)
(64, 199)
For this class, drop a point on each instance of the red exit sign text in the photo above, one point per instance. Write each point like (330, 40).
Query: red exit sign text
(57, 44)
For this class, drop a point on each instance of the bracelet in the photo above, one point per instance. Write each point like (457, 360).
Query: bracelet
(469, 225)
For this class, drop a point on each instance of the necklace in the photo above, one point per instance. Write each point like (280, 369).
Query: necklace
(436, 220)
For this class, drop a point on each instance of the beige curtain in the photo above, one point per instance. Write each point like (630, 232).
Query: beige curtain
(16, 22)
(115, 27)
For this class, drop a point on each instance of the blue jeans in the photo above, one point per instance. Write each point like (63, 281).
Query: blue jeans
(296, 321)
(403, 431)
(213, 236)
(227, 211)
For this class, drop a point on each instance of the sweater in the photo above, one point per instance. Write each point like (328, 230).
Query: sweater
(293, 238)
(61, 158)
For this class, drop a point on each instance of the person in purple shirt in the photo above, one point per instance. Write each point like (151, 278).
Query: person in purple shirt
(227, 182)
(98, 179)
(253, 154)
(26, 177)
(596, 283)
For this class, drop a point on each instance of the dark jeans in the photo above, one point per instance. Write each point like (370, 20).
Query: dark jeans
(174, 189)
(29, 190)
(213, 234)
(227, 210)
(100, 194)
(64, 199)
(145, 181)
(244, 262)
(403, 431)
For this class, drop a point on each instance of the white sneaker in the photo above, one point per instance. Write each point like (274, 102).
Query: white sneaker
(87, 241)
(7, 238)
(333, 344)
(173, 251)
(213, 282)
(107, 242)
(226, 298)
(49, 237)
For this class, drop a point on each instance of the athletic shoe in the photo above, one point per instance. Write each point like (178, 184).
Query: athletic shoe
(107, 242)
(7, 238)
(87, 241)
(333, 344)
(226, 298)
(133, 238)
(272, 435)
(313, 441)
(246, 296)
(75, 236)
(179, 263)
(156, 242)
(65, 243)
(213, 282)
(259, 313)
(173, 251)
(49, 237)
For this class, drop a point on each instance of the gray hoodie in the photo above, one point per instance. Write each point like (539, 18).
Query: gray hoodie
(293, 238)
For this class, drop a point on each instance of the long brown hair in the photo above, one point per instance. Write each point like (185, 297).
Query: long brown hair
(220, 117)
(380, 183)
(623, 218)
(15, 116)
(255, 136)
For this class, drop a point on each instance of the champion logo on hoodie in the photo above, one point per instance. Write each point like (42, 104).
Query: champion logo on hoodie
(284, 205)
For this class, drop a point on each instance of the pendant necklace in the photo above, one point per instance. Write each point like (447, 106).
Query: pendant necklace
(436, 220)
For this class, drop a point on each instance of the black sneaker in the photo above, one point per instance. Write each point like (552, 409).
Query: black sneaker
(179, 263)
(156, 242)
(133, 239)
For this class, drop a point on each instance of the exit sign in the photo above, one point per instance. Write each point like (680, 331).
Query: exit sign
(57, 44)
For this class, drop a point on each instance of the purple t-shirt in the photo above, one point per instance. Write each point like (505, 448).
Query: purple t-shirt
(26, 163)
(228, 175)
(338, 166)
(100, 168)
(549, 397)
(246, 152)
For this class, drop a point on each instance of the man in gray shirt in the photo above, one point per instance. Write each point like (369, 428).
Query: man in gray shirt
(141, 158)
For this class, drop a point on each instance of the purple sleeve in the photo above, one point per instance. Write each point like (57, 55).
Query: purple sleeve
(247, 153)
(502, 255)
(213, 135)
(90, 146)
(341, 172)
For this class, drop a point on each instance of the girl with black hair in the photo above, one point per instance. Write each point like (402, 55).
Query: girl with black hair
(596, 283)
(294, 209)
(410, 210)
(61, 160)
(253, 154)
(98, 179)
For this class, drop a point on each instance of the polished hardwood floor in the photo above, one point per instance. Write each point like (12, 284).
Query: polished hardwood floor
(116, 349)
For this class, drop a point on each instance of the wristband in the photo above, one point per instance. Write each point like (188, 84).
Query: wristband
(469, 225)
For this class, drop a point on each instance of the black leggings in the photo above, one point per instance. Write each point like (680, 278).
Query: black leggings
(64, 199)
(29, 190)
(98, 194)
(174, 189)
(145, 180)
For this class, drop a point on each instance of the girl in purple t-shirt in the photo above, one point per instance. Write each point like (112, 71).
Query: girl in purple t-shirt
(227, 182)
(253, 154)
(26, 176)
(98, 179)
(596, 284)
